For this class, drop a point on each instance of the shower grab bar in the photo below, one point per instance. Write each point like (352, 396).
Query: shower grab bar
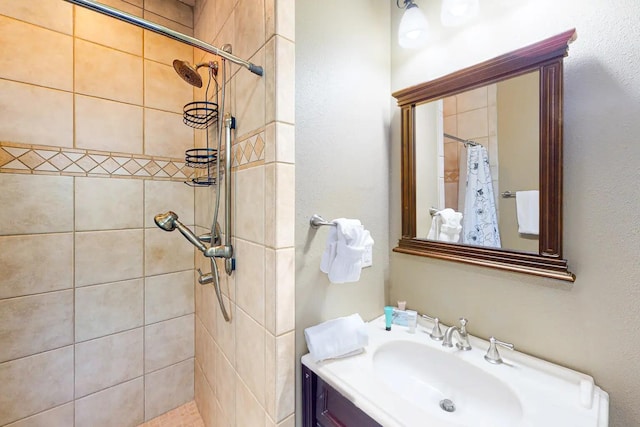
(148, 25)
(316, 221)
(508, 194)
(464, 141)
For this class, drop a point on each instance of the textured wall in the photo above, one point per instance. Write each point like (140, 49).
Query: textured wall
(592, 325)
(342, 108)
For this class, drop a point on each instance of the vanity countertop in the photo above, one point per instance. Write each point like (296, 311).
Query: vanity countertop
(400, 377)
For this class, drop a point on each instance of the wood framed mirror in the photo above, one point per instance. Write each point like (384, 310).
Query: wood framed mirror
(542, 62)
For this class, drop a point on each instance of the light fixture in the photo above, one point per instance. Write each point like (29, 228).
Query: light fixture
(458, 12)
(412, 31)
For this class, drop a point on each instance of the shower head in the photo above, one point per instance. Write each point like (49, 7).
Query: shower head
(169, 221)
(188, 72)
(166, 221)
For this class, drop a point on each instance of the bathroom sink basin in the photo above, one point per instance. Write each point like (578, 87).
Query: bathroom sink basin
(404, 379)
(446, 386)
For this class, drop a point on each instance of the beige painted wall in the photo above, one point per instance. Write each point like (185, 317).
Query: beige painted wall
(342, 111)
(592, 325)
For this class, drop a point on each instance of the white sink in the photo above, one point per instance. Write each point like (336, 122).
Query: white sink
(402, 378)
(426, 377)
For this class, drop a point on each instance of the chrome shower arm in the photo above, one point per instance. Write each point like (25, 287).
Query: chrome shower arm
(148, 25)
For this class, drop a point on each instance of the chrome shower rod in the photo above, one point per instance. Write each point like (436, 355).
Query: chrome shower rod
(148, 25)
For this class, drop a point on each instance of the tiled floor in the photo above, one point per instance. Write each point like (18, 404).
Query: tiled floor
(186, 415)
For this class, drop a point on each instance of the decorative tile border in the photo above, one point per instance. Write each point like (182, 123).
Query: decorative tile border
(248, 151)
(47, 160)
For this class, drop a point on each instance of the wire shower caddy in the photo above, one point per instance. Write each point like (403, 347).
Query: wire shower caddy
(201, 115)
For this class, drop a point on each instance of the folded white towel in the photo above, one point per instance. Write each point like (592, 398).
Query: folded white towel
(446, 226)
(339, 337)
(346, 245)
(528, 211)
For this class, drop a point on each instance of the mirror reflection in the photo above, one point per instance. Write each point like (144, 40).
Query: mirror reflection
(477, 166)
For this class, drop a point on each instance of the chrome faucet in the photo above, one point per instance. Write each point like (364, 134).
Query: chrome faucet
(463, 337)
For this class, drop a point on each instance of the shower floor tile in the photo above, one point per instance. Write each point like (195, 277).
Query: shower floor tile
(186, 415)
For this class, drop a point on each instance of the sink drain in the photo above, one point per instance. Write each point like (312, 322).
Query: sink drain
(447, 405)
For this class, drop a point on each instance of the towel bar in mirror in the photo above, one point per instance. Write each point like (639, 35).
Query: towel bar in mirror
(441, 117)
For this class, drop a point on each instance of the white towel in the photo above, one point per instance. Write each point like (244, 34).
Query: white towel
(446, 225)
(528, 211)
(346, 245)
(339, 337)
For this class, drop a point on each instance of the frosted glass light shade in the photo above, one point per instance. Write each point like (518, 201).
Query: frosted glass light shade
(458, 12)
(412, 31)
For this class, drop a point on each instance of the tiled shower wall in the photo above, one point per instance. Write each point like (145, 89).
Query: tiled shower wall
(245, 369)
(96, 303)
(469, 115)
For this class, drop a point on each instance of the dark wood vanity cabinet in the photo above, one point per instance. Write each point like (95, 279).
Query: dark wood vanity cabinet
(324, 406)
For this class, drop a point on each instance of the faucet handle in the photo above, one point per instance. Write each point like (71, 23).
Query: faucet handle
(493, 356)
(436, 333)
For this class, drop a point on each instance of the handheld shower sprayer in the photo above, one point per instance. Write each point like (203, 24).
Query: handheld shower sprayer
(169, 221)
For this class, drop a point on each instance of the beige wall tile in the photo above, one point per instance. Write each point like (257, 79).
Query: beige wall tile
(165, 135)
(173, 10)
(206, 352)
(98, 252)
(250, 278)
(280, 80)
(36, 383)
(472, 99)
(62, 416)
(164, 89)
(205, 399)
(280, 375)
(280, 143)
(107, 73)
(107, 125)
(226, 380)
(225, 334)
(117, 406)
(166, 252)
(449, 106)
(168, 296)
(32, 54)
(35, 204)
(163, 49)
(280, 294)
(285, 205)
(205, 202)
(250, 354)
(168, 388)
(21, 276)
(250, 204)
(250, 99)
(163, 196)
(473, 124)
(105, 309)
(169, 342)
(248, 409)
(134, 7)
(280, 18)
(35, 324)
(57, 16)
(107, 31)
(173, 25)
(51, 109)
(249, 27)
(108, 361)
(100, 201)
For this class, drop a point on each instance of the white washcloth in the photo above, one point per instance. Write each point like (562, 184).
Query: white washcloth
(339, 337)
(528, 211)
(346, 245)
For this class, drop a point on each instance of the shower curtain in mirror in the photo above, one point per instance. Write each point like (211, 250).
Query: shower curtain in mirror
(480, 224)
